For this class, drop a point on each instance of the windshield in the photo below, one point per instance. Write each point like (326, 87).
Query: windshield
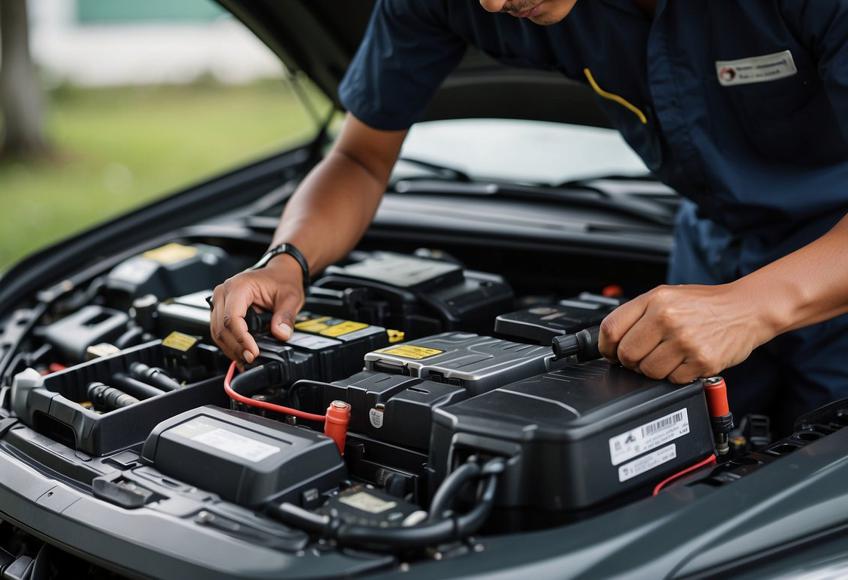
(519, 150)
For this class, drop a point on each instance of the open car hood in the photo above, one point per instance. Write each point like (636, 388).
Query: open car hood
(319, 38)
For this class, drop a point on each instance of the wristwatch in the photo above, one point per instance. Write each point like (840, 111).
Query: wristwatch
(291, 250)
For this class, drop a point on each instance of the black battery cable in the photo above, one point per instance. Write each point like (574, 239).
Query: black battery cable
(435, 530)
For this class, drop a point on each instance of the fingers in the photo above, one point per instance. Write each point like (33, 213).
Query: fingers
(638, 342)
(617, 324)
(229, 329)
(282, 323)
(660, 362)
(685, 373)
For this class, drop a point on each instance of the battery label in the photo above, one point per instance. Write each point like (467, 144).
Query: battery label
(646, 463)
(411, 351)
(366, 502)
(225, 440)
(648, 436)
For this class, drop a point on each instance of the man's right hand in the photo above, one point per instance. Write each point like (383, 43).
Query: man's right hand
(277, 288)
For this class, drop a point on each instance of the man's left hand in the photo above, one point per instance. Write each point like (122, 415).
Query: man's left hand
(685, 332)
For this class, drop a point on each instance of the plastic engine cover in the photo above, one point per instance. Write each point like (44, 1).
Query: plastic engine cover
(576, 436)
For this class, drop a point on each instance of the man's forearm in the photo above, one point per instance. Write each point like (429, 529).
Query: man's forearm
(331, 210)
(807, 286)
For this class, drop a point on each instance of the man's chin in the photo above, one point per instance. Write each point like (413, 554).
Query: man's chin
(552, 14)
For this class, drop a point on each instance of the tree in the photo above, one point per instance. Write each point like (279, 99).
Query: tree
(21, 99)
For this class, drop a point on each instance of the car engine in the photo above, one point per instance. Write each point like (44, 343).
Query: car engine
(418, 406)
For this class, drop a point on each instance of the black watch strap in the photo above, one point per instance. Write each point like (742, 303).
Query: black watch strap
(291, 250)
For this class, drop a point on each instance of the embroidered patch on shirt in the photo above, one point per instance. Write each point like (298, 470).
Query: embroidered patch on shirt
(756, 69)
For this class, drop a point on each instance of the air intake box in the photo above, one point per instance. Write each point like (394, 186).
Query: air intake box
(576, 436)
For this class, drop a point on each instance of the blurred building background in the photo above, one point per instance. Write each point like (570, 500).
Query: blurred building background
(141, 98)
(132, 42)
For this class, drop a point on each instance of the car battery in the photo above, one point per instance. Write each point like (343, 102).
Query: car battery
(395, 409)
(244, 458)
(577, 436)
(476, 363)
(336, 345)
(416, 295)
(541, 323)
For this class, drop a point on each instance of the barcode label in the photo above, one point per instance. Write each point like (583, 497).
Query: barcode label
(648, 436)
(646, 463)
(672, 419)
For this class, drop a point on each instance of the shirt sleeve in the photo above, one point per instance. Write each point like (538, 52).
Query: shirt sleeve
(823, 26)
(406, 53)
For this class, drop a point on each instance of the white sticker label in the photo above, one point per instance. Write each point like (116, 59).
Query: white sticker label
(366, 502)
(310, 341)
(648, 436)
(235, 444)
(646, 463)
(375, 416)
(756, 69)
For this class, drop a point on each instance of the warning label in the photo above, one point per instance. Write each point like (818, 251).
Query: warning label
(332, 327)
(411, 351)
(648, 436)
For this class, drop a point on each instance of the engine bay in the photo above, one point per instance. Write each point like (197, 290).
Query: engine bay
(417, 409)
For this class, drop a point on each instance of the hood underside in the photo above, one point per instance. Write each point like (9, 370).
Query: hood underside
(318, 38)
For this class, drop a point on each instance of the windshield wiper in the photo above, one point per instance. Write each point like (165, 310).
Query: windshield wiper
(583, 195)
(437, 169)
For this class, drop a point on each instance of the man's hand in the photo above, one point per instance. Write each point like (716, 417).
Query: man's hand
(686, 332)
(277, 288)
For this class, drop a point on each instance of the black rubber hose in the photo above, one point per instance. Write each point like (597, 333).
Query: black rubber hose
(129, 338)
(252, 380)
(446, 530)
(398, 538)
(106, 397)
(135, 388)
(448, 490)
(300, 518)
(154, 376)
(469, 523)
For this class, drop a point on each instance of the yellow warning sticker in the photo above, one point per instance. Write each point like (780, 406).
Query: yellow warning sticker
(343, 327)
(314, 325)
(411, 351)
(327, 326)
(179, 341)
(171, 253)
(395, 335)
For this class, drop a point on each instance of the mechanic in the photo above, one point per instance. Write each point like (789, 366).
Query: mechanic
(742, 107)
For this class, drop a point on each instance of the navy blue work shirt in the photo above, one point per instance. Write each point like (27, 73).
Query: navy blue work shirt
(739, 105)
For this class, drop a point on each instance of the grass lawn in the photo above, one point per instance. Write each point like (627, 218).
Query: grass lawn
(118, 148)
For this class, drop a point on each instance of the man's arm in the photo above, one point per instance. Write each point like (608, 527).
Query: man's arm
(690, 331)
(686, 332)
(325, 218)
